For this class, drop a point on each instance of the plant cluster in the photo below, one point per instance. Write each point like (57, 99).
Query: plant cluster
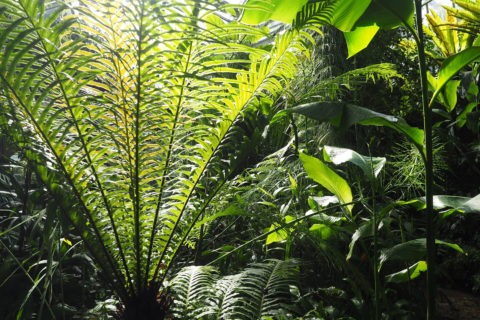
(200, 159)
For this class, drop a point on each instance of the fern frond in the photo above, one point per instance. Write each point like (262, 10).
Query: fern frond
(261, 290)
(314, 14)
(194, 289)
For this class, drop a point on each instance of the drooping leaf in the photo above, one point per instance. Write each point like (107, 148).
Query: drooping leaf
(380, 14)
(407, 274)
(462, 117)
(258, 11)
(323, 231)
(364, 230)
(455, 203)
(388, 14)
(347, 13)
(326, 177)
(281, 234)
(367, 164)
(359, 38)
(451, 94)
(452, 65)
(344, 115)
(410, 251)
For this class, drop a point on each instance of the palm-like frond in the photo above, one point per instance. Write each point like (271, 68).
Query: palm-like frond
(315, 13)
(133, 103)
(261, 290)
(194, 291)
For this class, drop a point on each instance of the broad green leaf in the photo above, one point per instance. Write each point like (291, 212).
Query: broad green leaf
(432, 86)
(325, 176)
(258, 11)
(410, 250)
(408, 274)
(344, 115)
(277, 236)
(323, 218)
(364, 230)
(452, 65)
(359, 38)
(347, 12)
(388, 14)
(323, 231)
(322, 201)
(381, 14)
(462, 117)
(461, 204)
(367, 164)
(281, 234)
(451, 94)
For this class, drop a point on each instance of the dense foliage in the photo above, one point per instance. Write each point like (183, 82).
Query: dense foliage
(204, 160)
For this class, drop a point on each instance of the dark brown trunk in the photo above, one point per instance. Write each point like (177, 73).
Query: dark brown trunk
(149, 305)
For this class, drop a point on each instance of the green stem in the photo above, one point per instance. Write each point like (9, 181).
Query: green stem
(375, 239)
(427, 120)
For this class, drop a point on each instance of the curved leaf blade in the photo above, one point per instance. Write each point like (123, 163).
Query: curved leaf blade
(452, 65)
(325, 176)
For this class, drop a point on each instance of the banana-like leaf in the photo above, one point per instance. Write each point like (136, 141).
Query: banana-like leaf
(344, 115)
(451, 94)
(326, 177)
(347, 13)
(452, 65)
(411, 250)
(281, 234)
(407, 274)
(371, 166)
(380, 14)
(258, 11)
(359, 38)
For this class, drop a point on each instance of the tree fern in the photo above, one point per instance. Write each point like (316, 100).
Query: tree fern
(132, 104)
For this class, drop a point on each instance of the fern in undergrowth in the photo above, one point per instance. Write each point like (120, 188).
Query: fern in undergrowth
(261, 290)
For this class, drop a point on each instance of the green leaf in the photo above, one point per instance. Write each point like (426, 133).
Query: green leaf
(341, 155)
(359, 38)
(281, 234)
(381, 14)
(388, 14)
(347, 12)
(326, 177)
(462, 117)
(344, 115)
(364, 230)
(452, 65)
(277, 236)
(410, 250)
(451, 94)
(456, 203)
(258, 11)
(322, 231)
(413, 271)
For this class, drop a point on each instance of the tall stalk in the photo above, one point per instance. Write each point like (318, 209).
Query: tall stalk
(375, 238)
(427, 124)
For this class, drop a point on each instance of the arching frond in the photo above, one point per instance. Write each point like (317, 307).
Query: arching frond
(134, 105)
(261, 290)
